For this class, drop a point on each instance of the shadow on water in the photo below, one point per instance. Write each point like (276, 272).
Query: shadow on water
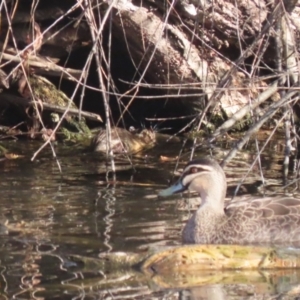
(55, 227)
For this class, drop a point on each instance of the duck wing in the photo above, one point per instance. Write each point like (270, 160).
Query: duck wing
(264, 221)
(265, 207)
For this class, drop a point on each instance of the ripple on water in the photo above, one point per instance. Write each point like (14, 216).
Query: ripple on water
(60, 223)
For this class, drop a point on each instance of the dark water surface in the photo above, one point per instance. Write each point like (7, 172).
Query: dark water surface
(57, 225)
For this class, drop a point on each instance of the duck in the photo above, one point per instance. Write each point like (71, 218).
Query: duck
(124, 141)
(266, 221)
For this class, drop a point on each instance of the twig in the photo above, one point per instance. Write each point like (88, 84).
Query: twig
(257, 157)
(95, 33)
(46, 106)
(245, 110)
(276, 13)
(270, 112)
(45, 67)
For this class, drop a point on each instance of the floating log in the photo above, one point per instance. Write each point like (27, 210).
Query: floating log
(215, 257)
(192, 258)
(198, 265)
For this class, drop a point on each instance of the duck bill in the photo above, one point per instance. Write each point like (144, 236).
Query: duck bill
(175, 188)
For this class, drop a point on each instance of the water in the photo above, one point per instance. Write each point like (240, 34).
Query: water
(57, 225)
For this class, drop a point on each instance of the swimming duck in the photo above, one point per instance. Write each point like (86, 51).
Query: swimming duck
(124, 141)
(268, 221)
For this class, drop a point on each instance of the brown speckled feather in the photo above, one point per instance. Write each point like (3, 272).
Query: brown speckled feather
(261, 221)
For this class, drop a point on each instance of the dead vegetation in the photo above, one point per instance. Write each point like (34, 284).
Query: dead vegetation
(192, 64)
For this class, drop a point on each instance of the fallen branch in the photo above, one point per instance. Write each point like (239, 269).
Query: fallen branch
(45, 67)
(227, 125)
(269, 113)
(11, 99)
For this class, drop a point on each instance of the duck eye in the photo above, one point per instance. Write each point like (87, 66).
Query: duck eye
(193, 170)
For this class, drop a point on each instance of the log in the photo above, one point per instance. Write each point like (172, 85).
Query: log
(194, 258)
(197, 265)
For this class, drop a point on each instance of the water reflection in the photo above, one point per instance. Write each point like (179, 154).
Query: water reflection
(59, 224)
